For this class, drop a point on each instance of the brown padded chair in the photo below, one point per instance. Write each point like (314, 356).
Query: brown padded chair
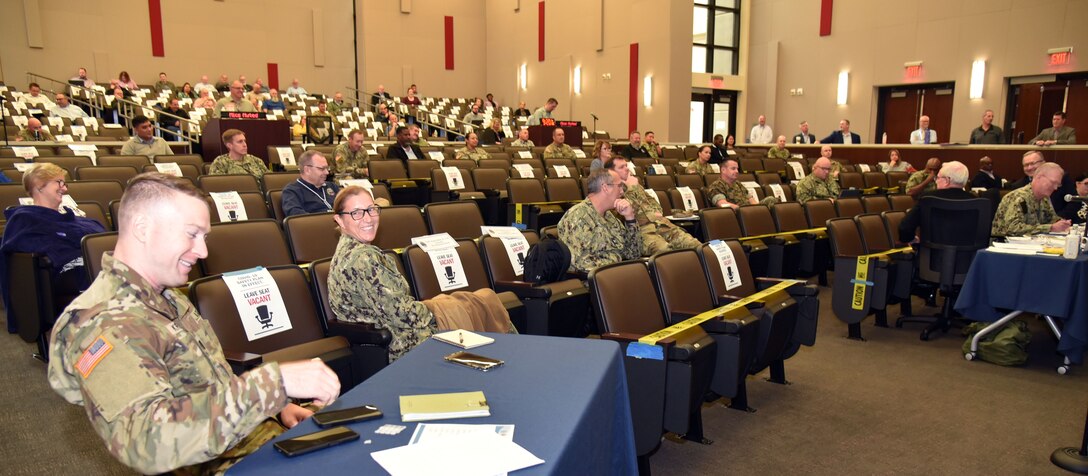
(95, 245)
(875, 179)
(228, 183)
(818, 212)
(241, 245)
(774, 166)
(525, 191)
(120, 173)
(187, 171)
(875, 203)
(277, 180)
(491, 179)
(851, 180)
(275, 200)
(563, 190)
(764, 178)
(895, 179)
(399, 224)
(68, 163)
(892, 219)
(900, 266)
(787, 191)
(370, 344)
(101, 191)
(305, 340)
(422, 168)
(312, 236)
(256, 207)
(34, 304)
(494, 164)
(660, 182)
(846, 246)
(441, 191)
(183, 159)
(815, 249)
(720, 224)
(901, 201)
(849, 207)
(627, 309)
(94, 211)
(782, 256)
(460, 219)
(389, 169)
(677, 201)
(135, 161)
(10, 193)
(555, 309)
(690, 180)
(463, 164)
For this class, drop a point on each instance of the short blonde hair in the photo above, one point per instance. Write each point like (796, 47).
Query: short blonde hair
(40, 174)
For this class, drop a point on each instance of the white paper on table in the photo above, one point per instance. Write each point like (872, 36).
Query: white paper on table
(259, 302)
(427, 432)
(469, 454)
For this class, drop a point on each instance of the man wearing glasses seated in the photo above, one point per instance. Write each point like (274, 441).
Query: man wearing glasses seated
(311, 192)
(595, 237)
(235, 102)
(819, 183)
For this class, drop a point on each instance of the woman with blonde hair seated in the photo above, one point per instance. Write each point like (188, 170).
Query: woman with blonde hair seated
(48, 228)
(366, 286)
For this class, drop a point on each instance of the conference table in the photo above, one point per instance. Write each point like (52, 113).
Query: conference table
(1001, 286)
(566, 397)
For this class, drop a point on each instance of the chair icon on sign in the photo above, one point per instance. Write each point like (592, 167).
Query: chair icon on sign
(264, 316)
(450, 275)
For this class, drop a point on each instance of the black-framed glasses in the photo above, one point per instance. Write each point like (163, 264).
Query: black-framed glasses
(357, 214)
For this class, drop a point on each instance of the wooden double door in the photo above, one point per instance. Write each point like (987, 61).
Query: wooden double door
(1032, 105)
(899, 107)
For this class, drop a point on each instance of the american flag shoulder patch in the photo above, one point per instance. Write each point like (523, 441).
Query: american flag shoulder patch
(93, 355)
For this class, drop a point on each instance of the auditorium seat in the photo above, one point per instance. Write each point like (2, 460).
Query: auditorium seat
(901, 201)
(460, 219)
(254, 203)
(399, 224)
(232, 246)
(720, 224)
(277, 180)
(846, 247)
(848, 207)
(101, 191)
(135, 161)
(369, 343)
(311, 236)
(228, 183)
(875, 203)
(70, 163)
(122, 173)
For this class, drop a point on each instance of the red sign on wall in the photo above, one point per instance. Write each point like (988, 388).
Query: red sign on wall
(1062, 58)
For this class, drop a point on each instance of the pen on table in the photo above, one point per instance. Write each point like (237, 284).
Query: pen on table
(461, 337)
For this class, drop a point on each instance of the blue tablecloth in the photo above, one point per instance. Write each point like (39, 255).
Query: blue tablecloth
(1050, 285)
(566, 397)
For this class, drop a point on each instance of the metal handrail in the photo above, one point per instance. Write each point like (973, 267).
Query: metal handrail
(423, 120)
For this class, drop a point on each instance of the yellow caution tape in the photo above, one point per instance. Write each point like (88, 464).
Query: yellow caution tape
(517, 213)
(698, 319)
(861, 275)
(783, 233)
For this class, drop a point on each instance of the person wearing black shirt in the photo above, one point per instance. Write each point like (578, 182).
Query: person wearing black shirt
(986, 177)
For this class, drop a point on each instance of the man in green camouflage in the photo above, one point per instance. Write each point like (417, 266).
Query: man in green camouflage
(658, 233)
(148, 369)
(523, 139)
(818, 184)
(595, 236)
(351, 158)
(779, 150)
(237, 159)
(472, 149)
(558, 149)
(1027, 210)
(924, 180)
(728, 192)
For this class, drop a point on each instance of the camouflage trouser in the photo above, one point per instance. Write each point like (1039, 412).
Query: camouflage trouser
(264, 433)
(768, 201)
(663, 236)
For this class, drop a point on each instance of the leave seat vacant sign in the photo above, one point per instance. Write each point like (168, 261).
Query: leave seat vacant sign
(260, 305)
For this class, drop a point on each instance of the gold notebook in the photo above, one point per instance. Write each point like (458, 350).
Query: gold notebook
(443, 406)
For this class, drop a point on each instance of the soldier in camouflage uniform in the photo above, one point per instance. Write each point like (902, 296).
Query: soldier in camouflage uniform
(658, 233)
(779, 150)
(652, 147)
(701, 165)
(596, 237)
(728, 192)
(471, 150)
(523, 139)
(818, 184)
(1027, 210)
(924, 180)
(351, 158)
(237, 159)
(148, 369)
(558, 149)
(364, 283)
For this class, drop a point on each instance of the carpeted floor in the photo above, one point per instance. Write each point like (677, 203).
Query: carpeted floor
(889, 405)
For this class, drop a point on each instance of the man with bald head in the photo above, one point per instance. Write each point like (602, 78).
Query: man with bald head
(65, 108)
(986, 177)
(558, 149)
(1031, 161)
(235, 102)
(924, 180)
(34, 132)
(951, 179)
(295, 89)
(1027, 210)
(779, 150)
(379, 97)
(819, 183)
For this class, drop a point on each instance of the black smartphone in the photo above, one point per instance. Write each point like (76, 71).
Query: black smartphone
(315, 441)
(346, 415)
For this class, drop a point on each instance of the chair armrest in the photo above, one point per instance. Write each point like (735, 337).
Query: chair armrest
(799, 289)
(242, 362)
(579, 275)
(360, 333)
(489, 192)
(523, 289)
(621, 337)
(677, 316)
(729, 298)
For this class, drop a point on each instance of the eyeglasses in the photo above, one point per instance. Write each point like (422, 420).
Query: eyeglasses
(60, 184)
(323, 169)
(1032, 163)
(357, 214)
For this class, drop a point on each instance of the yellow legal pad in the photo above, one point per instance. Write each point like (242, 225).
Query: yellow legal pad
(443, 406)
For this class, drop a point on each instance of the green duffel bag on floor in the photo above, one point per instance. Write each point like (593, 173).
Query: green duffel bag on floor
(1007, 346)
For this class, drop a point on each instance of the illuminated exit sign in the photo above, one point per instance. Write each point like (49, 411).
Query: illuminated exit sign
(1060, 58)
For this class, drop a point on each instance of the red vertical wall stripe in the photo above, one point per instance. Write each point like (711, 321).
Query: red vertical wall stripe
(273, 76)
(449, 42)
(632, 100)
(154, 14)
(540, 32)
(825, 18)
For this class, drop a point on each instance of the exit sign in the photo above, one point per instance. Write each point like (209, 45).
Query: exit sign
(1061, 58)
(914, 71)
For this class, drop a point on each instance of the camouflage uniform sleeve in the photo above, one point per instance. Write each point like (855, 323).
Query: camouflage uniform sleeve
(804, 190)
(834, 188)
(576, 231)
(128, 398)
(218, 167)
(1011, 219)
(716, 193)
(632, 241)
(460, 154)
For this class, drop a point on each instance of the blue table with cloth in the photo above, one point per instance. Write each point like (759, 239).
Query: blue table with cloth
(1050, 285)
(566, 397)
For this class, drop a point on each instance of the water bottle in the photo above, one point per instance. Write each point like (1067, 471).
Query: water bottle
(884, 140)
(1072, 245)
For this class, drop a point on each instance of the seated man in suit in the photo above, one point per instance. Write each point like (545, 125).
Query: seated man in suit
(843, 135)
(986, 178)
(1059, 134)
(804, 137)
(950, 181)
(404, 149)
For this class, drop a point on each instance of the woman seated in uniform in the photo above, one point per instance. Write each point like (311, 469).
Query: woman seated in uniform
(366, 286)
(48, 228)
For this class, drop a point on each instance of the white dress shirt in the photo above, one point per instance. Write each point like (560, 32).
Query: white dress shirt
(761, 135)
(918, 136)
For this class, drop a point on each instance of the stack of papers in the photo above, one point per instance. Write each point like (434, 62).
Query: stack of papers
(457, 451)
(1025, 248)
(443, 406)
(463, 339)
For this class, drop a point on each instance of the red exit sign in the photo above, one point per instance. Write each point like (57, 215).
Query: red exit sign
(914, 71)
(1061, 58)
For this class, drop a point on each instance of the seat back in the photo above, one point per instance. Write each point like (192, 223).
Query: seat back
(764, 178)
(10, 193)
(460, 219)
(94, 246)
(228, 183)
(185, 159)
(421, 168)
(233, 246)
(680, 290)
(135, 161)
(490, 178)
(895, 179)
(851, 180)
(496, 164)
(100, 191)
(311, 236)
(275, 200)
(120, 173)
(440, 184)
(901, 201)
(497, 262)
(874, 235)
(214, 302)
(849, 207)
(755, 220)
(789, 216)
(563, 189)
(463, 164)
(720, 224)
(31, 289)
(875, 203)
(422, 275)
(677, 201)
(660, 182)
(818, 212)
(386, 169)
(398, 225)
(690, 180)
(254, 203)
(624, 298)
(951, 227)
(712, 270)
(521, 190)
(277, 180)
(68, 163)
(892, 220)
(751, 164)
(845, 237)
(875, 179)
(94, 211)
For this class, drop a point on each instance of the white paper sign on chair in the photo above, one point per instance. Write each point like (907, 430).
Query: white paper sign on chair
(524, 170)
(517, 247)
(776, 189)
(259, 302)
(798, 169)
(453, 178)
(442, 250)
(688, 198)
(561, 171)
(229, 205)
(169, 168)
(728, 263)
(286, 154)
